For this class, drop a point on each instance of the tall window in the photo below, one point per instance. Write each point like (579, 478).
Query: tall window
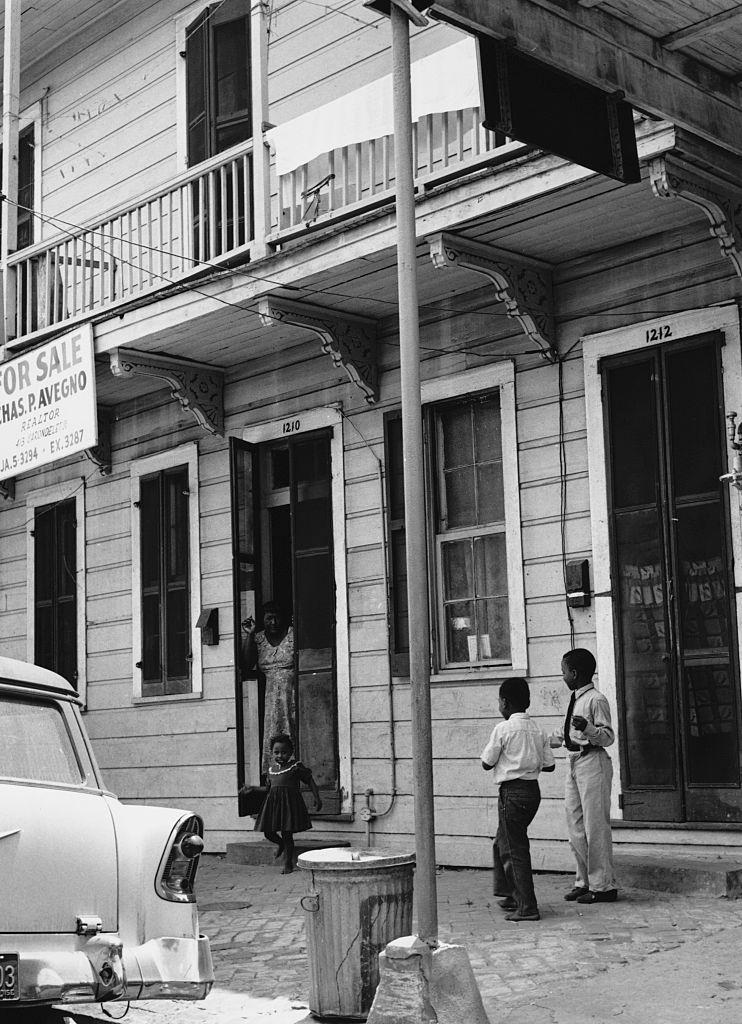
(217, 54)
(26, 162)
(475, 573)
(55, 588)
(165, 582)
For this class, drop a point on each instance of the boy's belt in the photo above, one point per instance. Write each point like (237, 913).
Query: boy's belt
(585, 749)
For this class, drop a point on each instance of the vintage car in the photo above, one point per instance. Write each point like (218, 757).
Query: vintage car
(96, 896)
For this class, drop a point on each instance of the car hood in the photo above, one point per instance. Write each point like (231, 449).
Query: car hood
(58, 859)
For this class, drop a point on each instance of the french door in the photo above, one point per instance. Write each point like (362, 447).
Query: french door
(672, 583)
(283, 552)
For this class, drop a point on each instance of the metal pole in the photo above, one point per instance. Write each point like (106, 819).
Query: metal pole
(414, 485)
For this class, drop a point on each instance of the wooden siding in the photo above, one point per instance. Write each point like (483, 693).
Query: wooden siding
(183, 753)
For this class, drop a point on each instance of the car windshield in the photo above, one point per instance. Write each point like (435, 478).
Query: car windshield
(35, 744)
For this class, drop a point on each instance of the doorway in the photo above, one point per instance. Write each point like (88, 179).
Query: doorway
(672, 582)
(284, 552)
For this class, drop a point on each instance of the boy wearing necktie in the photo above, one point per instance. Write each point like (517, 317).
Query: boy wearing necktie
(586, 733)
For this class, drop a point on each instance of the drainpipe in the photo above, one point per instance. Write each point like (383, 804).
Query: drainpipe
(11, 103)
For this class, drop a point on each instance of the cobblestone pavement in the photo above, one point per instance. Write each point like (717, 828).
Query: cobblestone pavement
(253, 918)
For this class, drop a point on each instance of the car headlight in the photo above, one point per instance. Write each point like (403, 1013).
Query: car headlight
(176, 880)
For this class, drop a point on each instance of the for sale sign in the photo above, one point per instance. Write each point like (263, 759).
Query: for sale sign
(47, 403)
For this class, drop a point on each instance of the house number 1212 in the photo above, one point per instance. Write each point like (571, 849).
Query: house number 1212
(659, 333)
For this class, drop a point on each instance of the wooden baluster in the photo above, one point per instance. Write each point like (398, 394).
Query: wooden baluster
(386, 160)
(247, 209)
(359, 171)
(223, 219)
(446, 139)
(237, 240)
(346, 175)
(331, 183)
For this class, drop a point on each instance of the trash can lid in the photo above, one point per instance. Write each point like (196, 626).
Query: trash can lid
(349, 858)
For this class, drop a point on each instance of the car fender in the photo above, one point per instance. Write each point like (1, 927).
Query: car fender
(144, 836)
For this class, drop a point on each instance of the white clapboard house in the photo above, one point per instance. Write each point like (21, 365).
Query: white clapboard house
(200, 395)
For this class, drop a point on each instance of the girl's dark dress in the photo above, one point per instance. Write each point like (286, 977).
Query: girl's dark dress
(284, 809)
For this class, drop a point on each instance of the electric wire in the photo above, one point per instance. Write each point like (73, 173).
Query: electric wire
(227, 271)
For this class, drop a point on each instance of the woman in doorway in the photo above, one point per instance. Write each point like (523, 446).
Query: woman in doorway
(272, 651)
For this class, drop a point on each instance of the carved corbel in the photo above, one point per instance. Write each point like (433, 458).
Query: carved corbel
(671, 178)
(197, 386)
(100, 455)
(525, 286)
(7, 489)
(350, 341)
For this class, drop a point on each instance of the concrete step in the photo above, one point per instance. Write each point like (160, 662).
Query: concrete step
(661, 866)
(260, 851)
(682, 873)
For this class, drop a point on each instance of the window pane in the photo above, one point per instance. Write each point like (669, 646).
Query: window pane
(456, 435)
(713, 757)
(399, 576)
(395, 471)
(461, 505)
(704, 605)
(458, 580)
(490, 494)
(487, 429)
(231, 59)
(490, 560)
(461, 640)
(633, 427)
(493, 623)
(279, 460)
(35, 744)
(694, 421)
(68, 550)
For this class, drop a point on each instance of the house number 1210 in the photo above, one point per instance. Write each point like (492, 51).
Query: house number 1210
(659, 333)
(291, 426)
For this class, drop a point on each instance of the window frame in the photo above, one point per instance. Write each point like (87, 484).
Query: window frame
(498, 377)
(182, 23)
(71, 489)
(184, 455)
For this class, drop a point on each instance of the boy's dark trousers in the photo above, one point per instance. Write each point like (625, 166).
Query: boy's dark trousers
(517, 806)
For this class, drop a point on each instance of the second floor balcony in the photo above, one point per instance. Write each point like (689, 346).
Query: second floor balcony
(223, 213)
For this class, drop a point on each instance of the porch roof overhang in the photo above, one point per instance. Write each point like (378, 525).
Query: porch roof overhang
(539, 210)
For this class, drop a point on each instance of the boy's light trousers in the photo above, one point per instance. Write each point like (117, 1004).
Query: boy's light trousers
(587, 803)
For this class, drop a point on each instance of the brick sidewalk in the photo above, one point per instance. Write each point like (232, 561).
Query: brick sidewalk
(256, 926)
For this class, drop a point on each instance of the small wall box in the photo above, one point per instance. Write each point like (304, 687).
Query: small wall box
(578, 583)
(208, 623)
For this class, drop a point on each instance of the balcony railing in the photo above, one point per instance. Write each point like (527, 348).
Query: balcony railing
(200, 218)
(206, 217)
(351, 178)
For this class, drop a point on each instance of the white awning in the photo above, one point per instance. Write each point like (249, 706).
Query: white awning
(446, 80)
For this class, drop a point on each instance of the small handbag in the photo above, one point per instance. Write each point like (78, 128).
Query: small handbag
(250, 800)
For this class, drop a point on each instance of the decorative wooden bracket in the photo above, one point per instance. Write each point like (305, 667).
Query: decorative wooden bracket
(350, 341)
(7, 489)
(101, 453)
(197, 386)
(525, 286)
(672, 178)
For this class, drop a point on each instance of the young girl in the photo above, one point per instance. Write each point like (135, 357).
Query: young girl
(284, 811)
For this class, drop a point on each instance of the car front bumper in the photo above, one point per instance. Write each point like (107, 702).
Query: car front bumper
(104, 970)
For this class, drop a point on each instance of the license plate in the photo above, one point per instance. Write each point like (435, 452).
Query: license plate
(9, 987)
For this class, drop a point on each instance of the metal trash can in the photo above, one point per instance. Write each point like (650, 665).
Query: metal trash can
(357, 902)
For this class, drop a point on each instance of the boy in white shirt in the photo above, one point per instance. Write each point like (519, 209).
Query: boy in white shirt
(517, 751)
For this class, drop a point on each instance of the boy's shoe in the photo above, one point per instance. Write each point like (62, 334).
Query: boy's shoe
(508, 903)
(606, 896)
(574, 894)
(517, 916)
